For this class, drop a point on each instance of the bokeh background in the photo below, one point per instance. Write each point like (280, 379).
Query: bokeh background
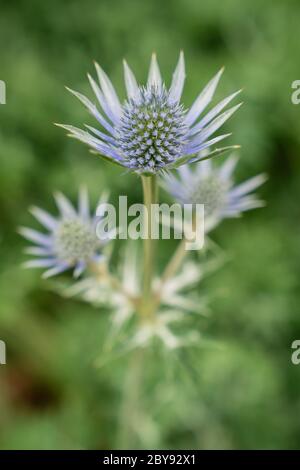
(239, 390)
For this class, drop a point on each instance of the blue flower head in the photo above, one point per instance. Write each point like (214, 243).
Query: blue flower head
(151, 131)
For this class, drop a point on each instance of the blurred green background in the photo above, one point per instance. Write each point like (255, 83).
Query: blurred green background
(241, 391)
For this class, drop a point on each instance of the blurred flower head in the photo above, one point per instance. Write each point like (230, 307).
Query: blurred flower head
(174, 304)
(71, 241)
(213, 186)
(151, 130)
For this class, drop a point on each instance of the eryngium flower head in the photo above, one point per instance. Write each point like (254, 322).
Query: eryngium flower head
(71, 241)
(211, 185)
(175, 304)
(151, 130)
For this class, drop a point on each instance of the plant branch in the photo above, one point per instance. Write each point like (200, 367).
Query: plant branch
(175, 262)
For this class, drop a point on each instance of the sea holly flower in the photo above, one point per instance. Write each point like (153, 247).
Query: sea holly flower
(151, 130)
(71, 241)
(213, 186)
(124, 302)
(161, 328)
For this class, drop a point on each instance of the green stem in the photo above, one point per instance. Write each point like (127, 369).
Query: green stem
(150, 197)
(130, 410)
(177, 259)
(175, 262)
(129, 415)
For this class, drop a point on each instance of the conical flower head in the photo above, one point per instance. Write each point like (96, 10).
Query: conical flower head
(152, 130)
(213, 186)
(74, 240)
(71, 241)
(212, 192)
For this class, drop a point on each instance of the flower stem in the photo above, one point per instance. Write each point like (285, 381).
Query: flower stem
(132, 385)
(175, 262)
(150, 197)
(130, 408)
